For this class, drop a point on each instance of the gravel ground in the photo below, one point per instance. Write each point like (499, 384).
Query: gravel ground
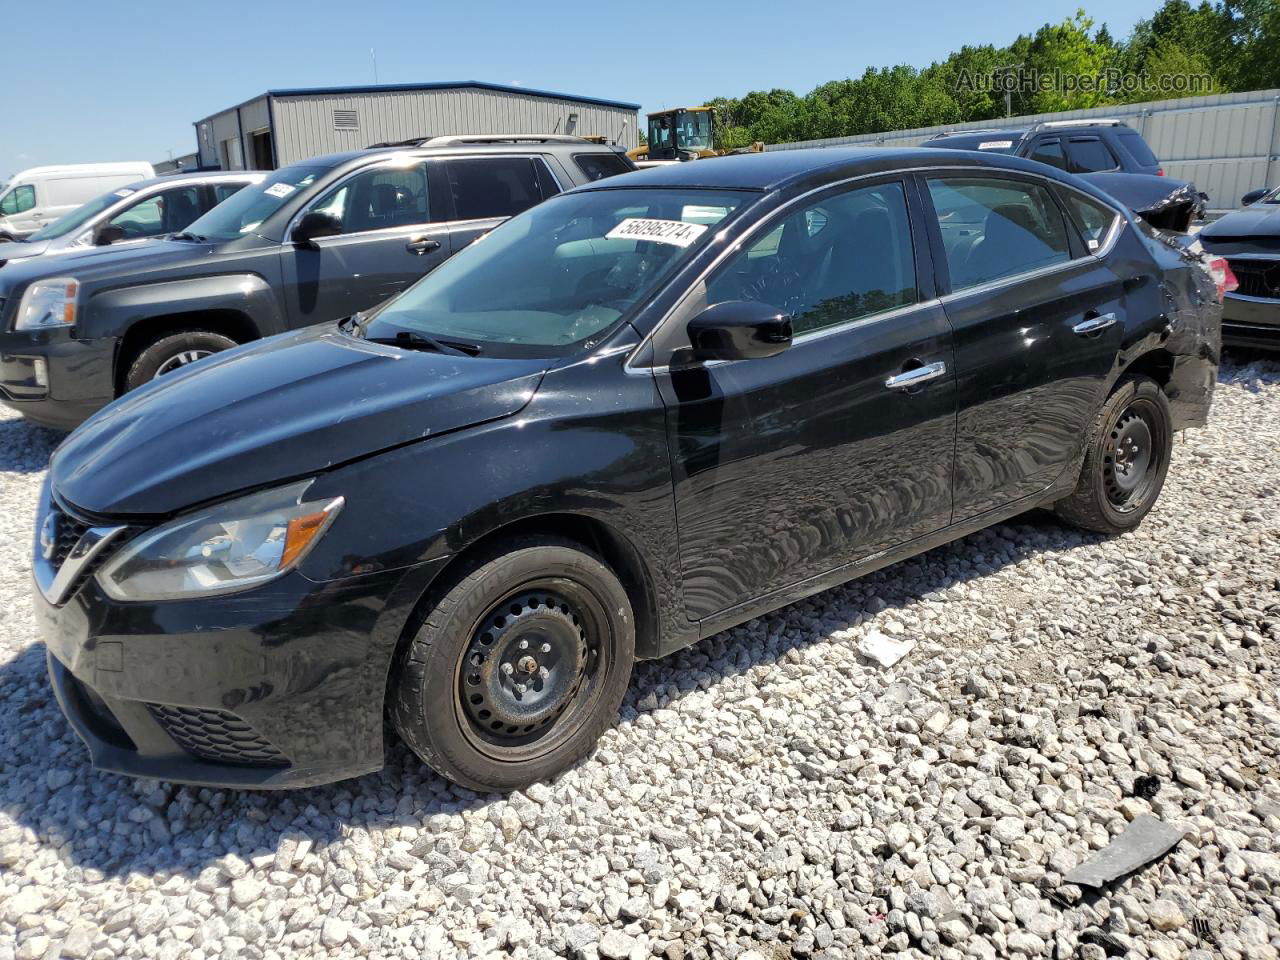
(766, 794)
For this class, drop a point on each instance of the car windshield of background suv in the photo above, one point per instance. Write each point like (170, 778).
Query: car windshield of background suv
(80, 216)
(243, 211)
(561, 273)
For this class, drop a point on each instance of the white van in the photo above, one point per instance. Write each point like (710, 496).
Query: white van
(41, 195)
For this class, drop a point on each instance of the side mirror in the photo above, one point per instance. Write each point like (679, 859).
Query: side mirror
(1253, 196)
(739, 330)
(107, 234)
(314, 225)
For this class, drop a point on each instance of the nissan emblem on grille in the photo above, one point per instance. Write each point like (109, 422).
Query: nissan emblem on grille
(49, 535)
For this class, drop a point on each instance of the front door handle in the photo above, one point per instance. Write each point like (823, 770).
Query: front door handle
(916, 376)
(1099, 321)
(422, 245)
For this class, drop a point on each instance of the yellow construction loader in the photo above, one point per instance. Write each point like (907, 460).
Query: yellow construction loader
(685, 133)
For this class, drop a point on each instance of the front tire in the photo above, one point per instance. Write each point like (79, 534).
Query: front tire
(171, 352)
(1125, 462)
(518, 669)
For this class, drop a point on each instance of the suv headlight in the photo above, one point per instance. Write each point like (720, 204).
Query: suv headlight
(48, 303)
(230, 547)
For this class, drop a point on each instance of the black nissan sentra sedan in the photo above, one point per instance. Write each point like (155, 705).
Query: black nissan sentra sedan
(633, 416)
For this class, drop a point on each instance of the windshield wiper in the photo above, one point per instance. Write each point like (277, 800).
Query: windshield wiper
(187, 235)
(412, 340)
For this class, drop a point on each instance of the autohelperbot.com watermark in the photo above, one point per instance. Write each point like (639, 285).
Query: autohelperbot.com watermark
(1110, 81)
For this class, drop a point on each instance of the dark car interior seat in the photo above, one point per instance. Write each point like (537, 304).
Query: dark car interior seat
(1009, 244)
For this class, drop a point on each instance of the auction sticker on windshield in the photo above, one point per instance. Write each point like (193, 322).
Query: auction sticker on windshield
(279, 190)
(674, 232)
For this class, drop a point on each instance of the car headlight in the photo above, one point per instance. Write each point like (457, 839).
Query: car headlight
(232, 546)
(48, 303)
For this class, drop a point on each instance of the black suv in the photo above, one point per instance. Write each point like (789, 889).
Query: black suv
(313, 242)
(633, 416)
(1077, 146)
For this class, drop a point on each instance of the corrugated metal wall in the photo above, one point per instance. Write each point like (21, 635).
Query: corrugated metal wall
(1228, 143)
(304, 125)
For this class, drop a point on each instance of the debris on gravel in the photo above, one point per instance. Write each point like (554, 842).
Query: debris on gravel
(768, 793)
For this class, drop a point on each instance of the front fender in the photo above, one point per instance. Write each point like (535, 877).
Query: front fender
(113, 311)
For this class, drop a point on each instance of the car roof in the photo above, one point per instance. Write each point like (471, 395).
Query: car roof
(775, 169)
(197, 176)
(528, 144)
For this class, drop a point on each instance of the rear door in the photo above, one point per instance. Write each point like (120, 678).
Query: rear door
(484, 191)
(1038, 320)
(393, 233)
(791, 466)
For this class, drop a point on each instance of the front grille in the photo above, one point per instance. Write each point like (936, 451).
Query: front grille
(1257, 278)
(217, 736)
(67, 533)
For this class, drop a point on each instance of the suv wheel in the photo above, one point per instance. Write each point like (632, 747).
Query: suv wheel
(173, 351)
(518, 669)
(1126, 460)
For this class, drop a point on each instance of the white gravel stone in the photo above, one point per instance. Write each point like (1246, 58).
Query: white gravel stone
(769, 792)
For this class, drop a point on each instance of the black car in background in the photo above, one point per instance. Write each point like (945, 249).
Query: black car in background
(631, 417)
(313, 242)
(1249, 239)
(1109, 154)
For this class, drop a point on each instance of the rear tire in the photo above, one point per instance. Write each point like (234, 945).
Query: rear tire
(518, 668)
(173, 351)
(1125, 462)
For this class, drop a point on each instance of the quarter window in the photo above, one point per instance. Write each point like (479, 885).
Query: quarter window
(597, 166)
(19, 200)
(993, 228)
(486, 187)
(1090, 155)
(378, 198)
(1093, 218)
(844, 257)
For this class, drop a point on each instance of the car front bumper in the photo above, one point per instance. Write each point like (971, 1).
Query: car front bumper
(1251, 321)
(54, 379)
(279, 686)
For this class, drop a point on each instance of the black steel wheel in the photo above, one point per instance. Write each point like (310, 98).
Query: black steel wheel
(1126, 460)
(518, 668)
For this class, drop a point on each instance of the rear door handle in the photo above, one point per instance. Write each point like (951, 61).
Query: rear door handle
(422, 245)
(916, 376)
(1094, 324)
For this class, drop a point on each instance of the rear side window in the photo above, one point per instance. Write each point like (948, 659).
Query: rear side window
(1132, 141)
(844, 257)
(1089, 155)
(1094, 219)
(597, 166)
(485, 187)
(993, 228)
(1050, 152)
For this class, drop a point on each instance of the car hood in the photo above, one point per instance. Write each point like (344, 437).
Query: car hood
(93, 263)
(274, 410)
(11, 252)
(1259, 220)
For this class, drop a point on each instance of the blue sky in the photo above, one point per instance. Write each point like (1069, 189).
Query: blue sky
(88, 81)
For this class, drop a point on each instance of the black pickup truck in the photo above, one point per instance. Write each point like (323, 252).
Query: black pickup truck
(313, 242)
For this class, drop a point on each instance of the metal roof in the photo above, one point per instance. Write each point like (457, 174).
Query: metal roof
(455, 85)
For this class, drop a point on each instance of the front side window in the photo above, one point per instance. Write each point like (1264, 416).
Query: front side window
(1089, 155)
(18, 200)
(1092, 217)
(244, 212)
(993, 228)
(561, 274)
(166, 212)
(378, 198)
(486, 187)
(842, 258)
(1050, 152)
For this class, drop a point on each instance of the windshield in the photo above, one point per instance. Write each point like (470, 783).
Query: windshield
(561, 273)
(243, 211)
(78, 217)
(695, 130)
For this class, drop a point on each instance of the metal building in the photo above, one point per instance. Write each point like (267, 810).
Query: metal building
(1228, 144)
(284, 126)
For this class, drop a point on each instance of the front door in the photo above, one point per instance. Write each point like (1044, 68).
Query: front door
(1038, 320)
(392, 234)
(840, 446)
